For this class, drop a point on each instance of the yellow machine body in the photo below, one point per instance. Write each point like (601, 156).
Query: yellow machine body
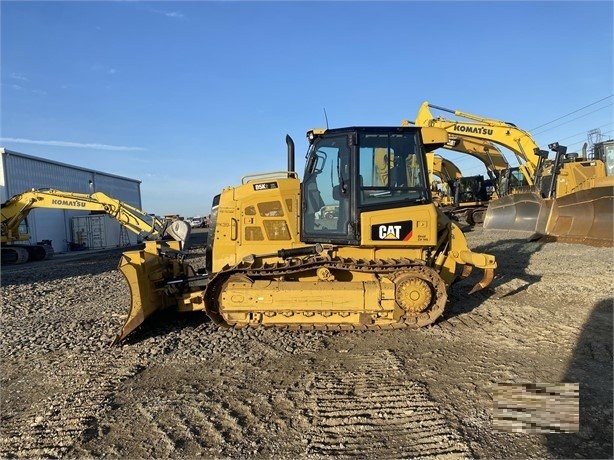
(389, 268)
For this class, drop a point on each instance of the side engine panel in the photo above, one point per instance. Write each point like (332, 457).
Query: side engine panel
(258, 217)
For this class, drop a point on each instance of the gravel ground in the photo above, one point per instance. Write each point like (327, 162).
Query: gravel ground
(182, 387)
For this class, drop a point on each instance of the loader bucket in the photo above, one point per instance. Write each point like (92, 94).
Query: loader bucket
(584, 217)
(522, 212)
(145, 273)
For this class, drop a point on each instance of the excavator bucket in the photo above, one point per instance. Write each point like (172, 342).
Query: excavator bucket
(145, 272)
(584, 217)
(525, 212)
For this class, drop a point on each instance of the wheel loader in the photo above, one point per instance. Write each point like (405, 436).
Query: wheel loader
(380, 256)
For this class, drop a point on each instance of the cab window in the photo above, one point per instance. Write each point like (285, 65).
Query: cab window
(390, 169)
(327, 187)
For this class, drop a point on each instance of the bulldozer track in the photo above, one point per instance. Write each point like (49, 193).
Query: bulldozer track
(387, 267)
(364, 406)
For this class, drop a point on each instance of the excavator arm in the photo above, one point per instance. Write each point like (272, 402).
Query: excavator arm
(483, 150)
(17, 208)
(443, 168)
(476, 138)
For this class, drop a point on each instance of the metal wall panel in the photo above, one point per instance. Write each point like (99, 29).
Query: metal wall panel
(122, 189)
(22, 172)
(101, 232)
(3, 192)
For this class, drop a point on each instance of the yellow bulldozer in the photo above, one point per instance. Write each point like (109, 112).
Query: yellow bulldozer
(358, 244)
(568, 198)
(16, 250)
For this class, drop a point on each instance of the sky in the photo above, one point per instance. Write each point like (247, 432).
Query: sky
(188, 97)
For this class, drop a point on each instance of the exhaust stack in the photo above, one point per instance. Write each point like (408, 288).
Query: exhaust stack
(290, 144)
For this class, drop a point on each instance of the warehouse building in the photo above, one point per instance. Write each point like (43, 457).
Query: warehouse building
(68, 229)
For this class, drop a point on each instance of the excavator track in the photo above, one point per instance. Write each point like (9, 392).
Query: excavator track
(416, 291)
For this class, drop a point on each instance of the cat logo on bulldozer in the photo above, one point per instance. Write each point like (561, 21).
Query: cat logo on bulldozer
(400, 231)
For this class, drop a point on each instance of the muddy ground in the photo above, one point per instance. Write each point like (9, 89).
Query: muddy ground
(182, 387)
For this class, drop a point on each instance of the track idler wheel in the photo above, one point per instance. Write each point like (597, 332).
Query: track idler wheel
(421, 294)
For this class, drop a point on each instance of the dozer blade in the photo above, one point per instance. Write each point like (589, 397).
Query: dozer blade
(523, 212)
(145, 273)
(584, 217)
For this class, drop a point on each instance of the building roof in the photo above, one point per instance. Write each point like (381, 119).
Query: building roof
(4, 152)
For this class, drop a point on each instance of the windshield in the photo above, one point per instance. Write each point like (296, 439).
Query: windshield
(390, 169)
(608, 157)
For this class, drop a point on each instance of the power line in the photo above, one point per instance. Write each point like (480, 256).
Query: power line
(582, 142)
(571, 113)
(583, 133)
(573, 119)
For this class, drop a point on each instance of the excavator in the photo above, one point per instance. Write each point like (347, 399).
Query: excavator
(382, 256)
(463, 198)
(569, 198)
(447, 172)
(16, 209)
(472, 194)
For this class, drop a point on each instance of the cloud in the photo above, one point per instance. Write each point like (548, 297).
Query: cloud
(71, 144)
(168, 14)
(18, 76)
(23, 84)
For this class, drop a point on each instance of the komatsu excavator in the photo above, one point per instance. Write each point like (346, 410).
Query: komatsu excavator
(16, 209)
(569, 198)
(447, 172)
(464, 198)
(381, 256)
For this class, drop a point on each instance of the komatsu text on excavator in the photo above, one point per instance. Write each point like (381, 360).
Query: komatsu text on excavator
(359, 244)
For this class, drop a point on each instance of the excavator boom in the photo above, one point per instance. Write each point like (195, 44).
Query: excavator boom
(499, 132)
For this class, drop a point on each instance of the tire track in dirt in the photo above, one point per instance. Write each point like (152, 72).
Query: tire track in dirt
(198, 417)
(49, 427)
(365, 406)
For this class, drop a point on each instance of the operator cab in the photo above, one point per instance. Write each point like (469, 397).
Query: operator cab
(351, 170)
